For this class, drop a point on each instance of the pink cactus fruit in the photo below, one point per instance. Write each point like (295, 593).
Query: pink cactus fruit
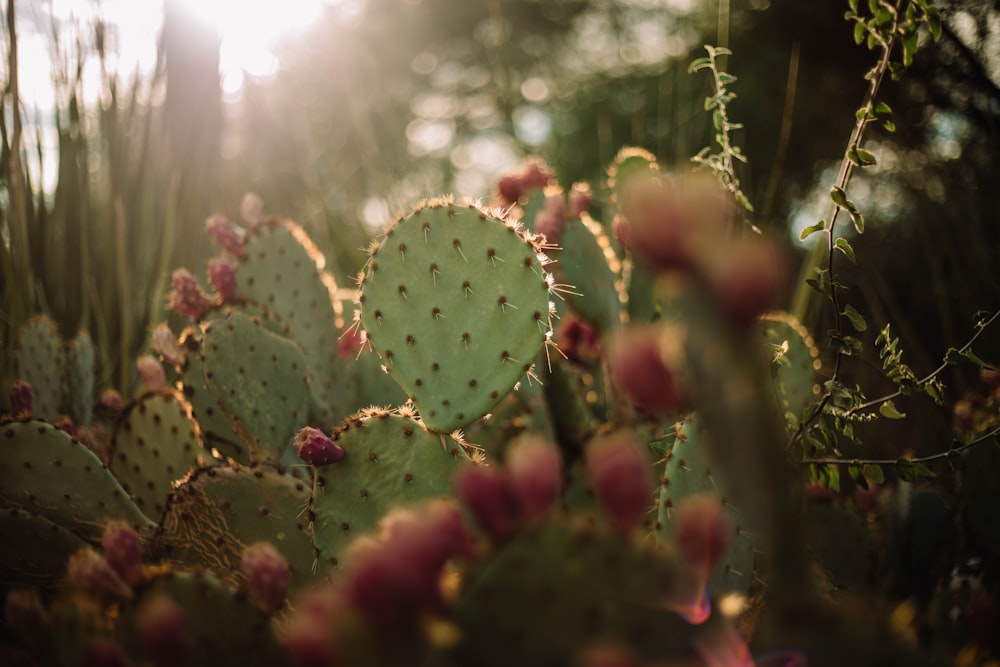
(578, 339)
(163, 631)
(252, 208)
(91, 573)
(747, 278)
(580, 199)
(104, 653)
(550, 226)
(348, 345)
(621, 479)
(110, 400)
(186, 296)
(316, 448)
(123, 551)
(640, 371)
(22, 397)
(702, 532)
(536, 174)
(489, 495)
(152, 373)
(65, 424)
(222, 275)
(268, 576)
(228, 235)
(510, 189)
(25, 616)
(534, 467)
(165, 344)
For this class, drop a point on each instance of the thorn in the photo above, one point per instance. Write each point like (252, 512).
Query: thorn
(506, 357)
(402, 291)
(458, 246)
(465, 339)
(402, 251)
(504, 304)
(492, 254)
(467, 288)
(427, 229)
(434, 273)
(436, 313)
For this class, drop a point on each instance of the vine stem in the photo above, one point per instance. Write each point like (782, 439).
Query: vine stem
(920, 459)
(803, 294)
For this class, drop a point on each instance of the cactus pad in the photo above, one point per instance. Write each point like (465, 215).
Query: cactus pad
(457, 304)
(795, 377)
(389, 460)
(80, 378)
(41, 363)
(45, 471)
(259, 380)
(40, 549)
(155, 443)
(587, 262)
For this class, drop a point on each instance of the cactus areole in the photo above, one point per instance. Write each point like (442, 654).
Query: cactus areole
(456, 302)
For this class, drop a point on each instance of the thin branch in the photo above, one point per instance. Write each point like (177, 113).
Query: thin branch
(920, 459)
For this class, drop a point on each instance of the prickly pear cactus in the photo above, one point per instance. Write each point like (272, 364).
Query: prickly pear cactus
(219, 511)
(389, 460)
(689, 472)
(586, 261)
(155, 443)
(796, 361)
(80, 366)
(45, 471)
(259, 381)
(42, 549)
(41, 363)
(456, 302)
(283, 271)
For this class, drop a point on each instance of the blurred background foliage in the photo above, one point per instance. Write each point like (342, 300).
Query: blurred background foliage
(379, 103)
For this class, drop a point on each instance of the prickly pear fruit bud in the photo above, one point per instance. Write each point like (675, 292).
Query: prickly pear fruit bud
(227, 234)
(488, 493)
(315, 447)
(580, 199)
(349, 344)
(549, 225)
(268, 576)
(110, 402)
(536, 174)
(252, 208)
(152, 373)
(578, 339)
(66, 425)
(123, 551)
(510, 189)
(621, 479)
(639, 370)
(165, 344)
(91, 573)
(222, 275)
(702, 532)
(747, 279)
(534, 467)
(186, 296)
(22, 397)
(25, 616)
(104, 653)
(163, 631)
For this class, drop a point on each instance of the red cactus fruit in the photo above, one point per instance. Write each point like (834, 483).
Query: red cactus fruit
(348, 345)
(702, 532)
(268, 576)
(227, 234)
(578, 339)
(639, 370)
(510, 189)
(536, 174)
(151, 371)
(91, 573)
(580, 199)
(186, 296)
(621, 479)
(165, 344)
(65, 424)
(123, 551)
(222, 275)
(163, 631)
(110, 401)
(315, 447)
(534, 467)
(550, 225)
(747, 279)
(22, 397)
(25, 616)
(489, 495)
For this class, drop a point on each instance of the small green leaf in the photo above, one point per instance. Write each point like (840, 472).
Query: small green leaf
(699, 64)
(725, 78)
(711, 103)
(855, 470)
(934, 22)
(953, 356)
(844, 246)
(857, 319)
(856, 218)
(812, 229)
(889, 411)
(866, 158)
(839, 197)
(853, 4)
(875, 473)
(905, 471)
(889, 126)
(882, 109)
(859, 32)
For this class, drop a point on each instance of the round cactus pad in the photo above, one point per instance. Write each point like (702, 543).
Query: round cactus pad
(457, 304)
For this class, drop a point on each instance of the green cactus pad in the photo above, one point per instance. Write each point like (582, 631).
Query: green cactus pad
(630, 163)
(587, 262)
(223, 625)
(457, 304)
(36, 549)
(259, 380)
(80, 378)
(795, 376)
(688, 473)
(155, 443)
(389, 460)
(283, 271)
(41, 363)
(216, 430)
(45, 471)
(219, 511)
(560, 586)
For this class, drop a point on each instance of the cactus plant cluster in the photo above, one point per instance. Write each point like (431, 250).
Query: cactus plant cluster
(581, 463)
